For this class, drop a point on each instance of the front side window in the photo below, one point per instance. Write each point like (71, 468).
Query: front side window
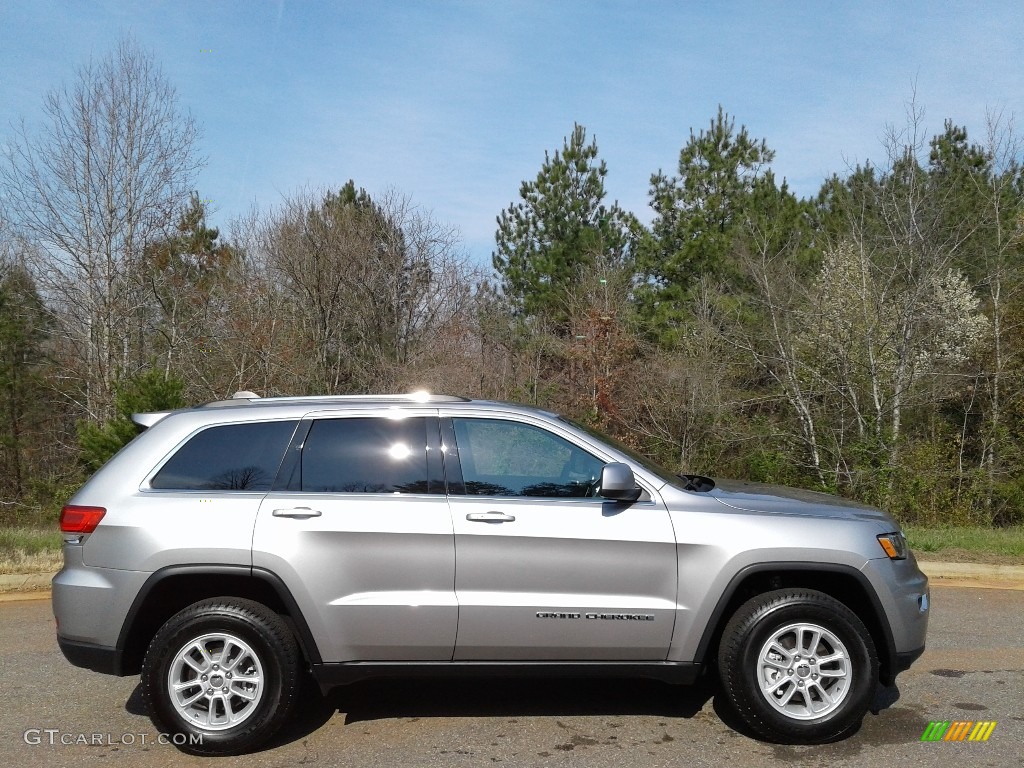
(365, 455)
(232, 457)
(506, 458)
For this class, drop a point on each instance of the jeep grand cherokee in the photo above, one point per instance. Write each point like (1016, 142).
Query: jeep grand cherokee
(235, 547)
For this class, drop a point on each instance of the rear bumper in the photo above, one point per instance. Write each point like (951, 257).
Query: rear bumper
(98, 658)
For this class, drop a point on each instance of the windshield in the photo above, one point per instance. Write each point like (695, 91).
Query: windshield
(644, 461)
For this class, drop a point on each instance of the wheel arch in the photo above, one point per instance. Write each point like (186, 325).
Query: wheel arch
(844, 583)
(173, 588)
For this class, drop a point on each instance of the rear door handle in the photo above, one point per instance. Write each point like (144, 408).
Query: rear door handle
(490, 517)
(297, 512)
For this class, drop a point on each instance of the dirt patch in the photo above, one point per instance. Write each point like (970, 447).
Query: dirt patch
(968, 556)
(11, 597)
(939, 581)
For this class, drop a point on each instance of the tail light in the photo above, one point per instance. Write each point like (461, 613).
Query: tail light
(78, 519)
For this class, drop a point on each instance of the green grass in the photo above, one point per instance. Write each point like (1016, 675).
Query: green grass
(29, 540)
(999, 543)
(30, 549)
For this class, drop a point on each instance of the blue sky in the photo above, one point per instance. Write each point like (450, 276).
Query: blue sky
(455, 103)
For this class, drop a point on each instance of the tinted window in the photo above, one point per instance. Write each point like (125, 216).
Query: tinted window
(371, 455)
(234, 457)
(504, 458)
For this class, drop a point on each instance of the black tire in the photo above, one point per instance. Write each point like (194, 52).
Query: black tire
(739, 661)
(271, 649)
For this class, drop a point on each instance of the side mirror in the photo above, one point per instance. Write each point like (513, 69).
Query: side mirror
(618, 483)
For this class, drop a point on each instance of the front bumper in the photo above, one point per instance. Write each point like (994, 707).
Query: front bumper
(901, 663)
(905, 600)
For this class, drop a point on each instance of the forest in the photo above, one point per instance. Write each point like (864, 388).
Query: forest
(867, 341)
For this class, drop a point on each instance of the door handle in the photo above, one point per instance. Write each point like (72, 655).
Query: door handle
(490, 517)
(297, 512)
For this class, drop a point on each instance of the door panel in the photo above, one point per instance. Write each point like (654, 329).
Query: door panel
(591, 564)
(553, 578)
(372, 574)
(368, 553)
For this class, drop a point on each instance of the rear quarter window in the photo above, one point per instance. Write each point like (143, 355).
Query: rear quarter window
(232, 457)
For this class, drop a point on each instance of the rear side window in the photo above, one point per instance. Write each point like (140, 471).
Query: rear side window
(366, 455)
(233, 457)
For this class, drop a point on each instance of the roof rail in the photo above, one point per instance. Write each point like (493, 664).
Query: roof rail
(245, 397)
(416, 397)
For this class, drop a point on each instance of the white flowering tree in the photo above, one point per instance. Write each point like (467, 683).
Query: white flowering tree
(870, 337)
(858, 345)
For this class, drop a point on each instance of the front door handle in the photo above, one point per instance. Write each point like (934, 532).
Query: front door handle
(297, 512)
(490, 517)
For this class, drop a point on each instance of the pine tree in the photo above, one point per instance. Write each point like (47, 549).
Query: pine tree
(705, 216)
(23, 327)
(147, 391)
(560, 228)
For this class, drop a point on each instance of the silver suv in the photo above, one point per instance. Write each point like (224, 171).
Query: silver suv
(233, 548)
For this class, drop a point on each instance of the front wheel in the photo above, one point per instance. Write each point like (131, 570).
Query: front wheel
(798, 666)
(221, 676)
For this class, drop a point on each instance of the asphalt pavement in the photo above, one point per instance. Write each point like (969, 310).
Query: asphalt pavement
(53, 714)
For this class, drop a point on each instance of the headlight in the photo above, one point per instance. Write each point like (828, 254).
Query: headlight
(894, 544)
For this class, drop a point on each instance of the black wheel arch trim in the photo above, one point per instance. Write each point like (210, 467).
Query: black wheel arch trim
(889, 665)
(303, 634)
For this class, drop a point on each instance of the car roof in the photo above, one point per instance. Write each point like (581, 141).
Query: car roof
(249, 400)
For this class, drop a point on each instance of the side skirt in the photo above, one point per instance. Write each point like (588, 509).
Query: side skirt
(329, 676)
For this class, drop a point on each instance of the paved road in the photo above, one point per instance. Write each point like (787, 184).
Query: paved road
(973, 670)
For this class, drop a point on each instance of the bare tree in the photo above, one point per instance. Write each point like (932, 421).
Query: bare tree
(105, 176)
(369, 283)
(774, 347)
(1003, 215)
(687, 400)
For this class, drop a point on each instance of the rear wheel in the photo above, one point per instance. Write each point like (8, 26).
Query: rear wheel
(798, 666)
(221, 676)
